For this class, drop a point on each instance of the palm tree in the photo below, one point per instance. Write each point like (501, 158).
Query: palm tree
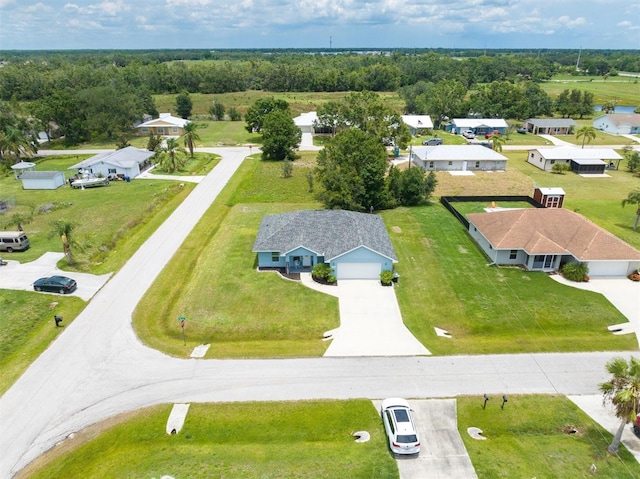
(622, 391)
(497, 141)
(171, 156)
(15, 142)
(633, 199)
(63, 228)
(587, 133)
(190, 136)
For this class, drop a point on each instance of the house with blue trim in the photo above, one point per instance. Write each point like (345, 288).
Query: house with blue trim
(355, 245)
(479, 126)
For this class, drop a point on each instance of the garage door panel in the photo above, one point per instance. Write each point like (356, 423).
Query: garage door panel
(608, 268)
(358, 271)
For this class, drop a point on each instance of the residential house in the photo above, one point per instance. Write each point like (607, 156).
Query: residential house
(550, 126)
(618, 123)
(458, 158)
(417, 124)
(544, 239)
(579, 160)
(306, 121)
(355, 245)
(127, 162)
(165, 125)
(479, 126)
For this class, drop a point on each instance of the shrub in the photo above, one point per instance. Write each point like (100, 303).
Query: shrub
(560, 168)
(575, 272)
(321, 271)
(386, 277)
(331, 279)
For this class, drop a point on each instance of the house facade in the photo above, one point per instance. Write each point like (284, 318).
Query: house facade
(458, 158)
(550, 126)
(479, 126)
(127, 162)
(618, 123)
(579, 160)
(165, 125)
(355, 245)
(417, 124)
(544, 239)
(549, 197)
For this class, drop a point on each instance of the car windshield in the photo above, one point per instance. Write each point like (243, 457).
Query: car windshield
(407, 438)
(402, 415)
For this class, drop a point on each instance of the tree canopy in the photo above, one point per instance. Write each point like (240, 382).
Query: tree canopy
(280, 136)
(263, 106)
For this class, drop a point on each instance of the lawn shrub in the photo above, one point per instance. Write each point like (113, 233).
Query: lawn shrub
(323, 273)
(386, 278)
(575, 272)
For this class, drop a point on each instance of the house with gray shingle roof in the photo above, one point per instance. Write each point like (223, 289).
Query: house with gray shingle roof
(544, 239)
(618, 123)
(355, 245)
(128, 162)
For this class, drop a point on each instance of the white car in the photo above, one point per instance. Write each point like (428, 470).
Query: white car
(469, 134)
(400, 427)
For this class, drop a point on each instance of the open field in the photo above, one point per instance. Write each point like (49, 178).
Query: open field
(250, 440)
(622, 90)
(531, 437)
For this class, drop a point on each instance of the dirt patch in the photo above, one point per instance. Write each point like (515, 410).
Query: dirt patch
(572, 430)
(462, 249)
(396, 229)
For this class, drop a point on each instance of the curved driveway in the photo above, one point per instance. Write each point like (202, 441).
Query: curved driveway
(97, 367)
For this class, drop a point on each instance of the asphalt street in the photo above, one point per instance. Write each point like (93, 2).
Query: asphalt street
(97, 367)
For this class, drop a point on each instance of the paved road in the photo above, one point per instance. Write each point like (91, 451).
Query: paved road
(97, 367)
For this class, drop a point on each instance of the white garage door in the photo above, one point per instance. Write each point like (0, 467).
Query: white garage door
(608, 268)
(358, 271)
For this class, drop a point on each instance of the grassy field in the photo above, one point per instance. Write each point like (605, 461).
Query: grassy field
(249, 440)
(622, 90)
(241, 312)
(531, 437)
(106, 220)
(27, 328)
(445, 282)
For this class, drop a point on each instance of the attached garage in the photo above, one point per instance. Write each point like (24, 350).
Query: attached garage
(358, 271)
(610, 268)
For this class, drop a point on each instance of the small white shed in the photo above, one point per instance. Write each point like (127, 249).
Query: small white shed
(42, 180)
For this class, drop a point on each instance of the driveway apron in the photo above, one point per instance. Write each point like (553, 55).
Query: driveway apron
(371, 323)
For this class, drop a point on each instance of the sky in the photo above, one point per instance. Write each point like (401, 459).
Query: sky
(369, 24)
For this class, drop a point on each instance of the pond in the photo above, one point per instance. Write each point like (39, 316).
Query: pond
(618, 108)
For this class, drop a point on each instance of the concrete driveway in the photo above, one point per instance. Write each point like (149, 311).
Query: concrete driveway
(442, 452)
(20, 276)
(371, 323)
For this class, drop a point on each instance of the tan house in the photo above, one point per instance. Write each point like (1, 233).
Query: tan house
(544, 239)
(165, 125)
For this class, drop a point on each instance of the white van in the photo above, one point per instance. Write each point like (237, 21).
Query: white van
(13, 241)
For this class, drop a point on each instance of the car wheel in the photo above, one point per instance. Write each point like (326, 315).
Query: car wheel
(37, 288)
(61, 291)
(9, 249)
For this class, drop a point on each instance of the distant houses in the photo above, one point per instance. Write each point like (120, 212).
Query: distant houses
(165, 125)
(417, 124)
(479, 126)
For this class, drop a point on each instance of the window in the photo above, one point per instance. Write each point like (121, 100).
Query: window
(145, 129)
(112, 171)
(477, 164)
(431, 164)
(513, 254)
(553, 161)
(175, 129)
(450, 163)
(275, 257)
(531, 155)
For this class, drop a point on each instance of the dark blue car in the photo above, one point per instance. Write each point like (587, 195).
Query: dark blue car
(56, 284)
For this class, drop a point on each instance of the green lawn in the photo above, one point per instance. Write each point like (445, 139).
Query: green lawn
(623, 90)
(106, 220)
(200, 164)
(309, 439)
(27, 328)
(445, 282)
(227, 303)
(530, 438)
